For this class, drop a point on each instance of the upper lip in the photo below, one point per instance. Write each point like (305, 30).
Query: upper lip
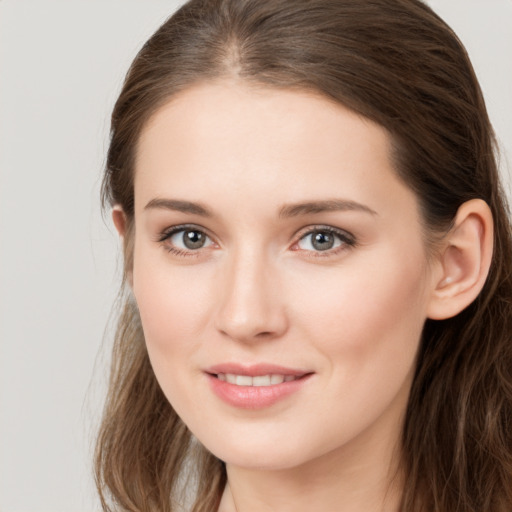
(254, 370)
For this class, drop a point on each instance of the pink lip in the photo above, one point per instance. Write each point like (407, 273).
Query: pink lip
(255, 397)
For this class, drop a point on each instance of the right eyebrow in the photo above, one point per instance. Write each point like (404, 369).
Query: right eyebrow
(178, 205)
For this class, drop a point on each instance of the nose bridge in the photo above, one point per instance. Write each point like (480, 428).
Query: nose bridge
(250, 304)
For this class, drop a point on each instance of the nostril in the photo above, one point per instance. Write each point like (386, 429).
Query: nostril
(264, 334)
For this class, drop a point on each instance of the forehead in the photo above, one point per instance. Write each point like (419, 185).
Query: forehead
(282, 144)
(219, 112)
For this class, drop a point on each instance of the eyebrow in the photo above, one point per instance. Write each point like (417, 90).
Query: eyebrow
(330, 205)
(179, 206)
(288, 210)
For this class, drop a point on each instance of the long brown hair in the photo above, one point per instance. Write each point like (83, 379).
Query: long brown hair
(397, 63)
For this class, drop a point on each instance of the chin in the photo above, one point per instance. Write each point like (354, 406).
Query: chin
(259, 456)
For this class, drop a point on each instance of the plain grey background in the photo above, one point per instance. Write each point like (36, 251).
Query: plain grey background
(61, 67)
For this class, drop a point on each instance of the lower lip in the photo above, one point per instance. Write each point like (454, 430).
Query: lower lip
(254, 397)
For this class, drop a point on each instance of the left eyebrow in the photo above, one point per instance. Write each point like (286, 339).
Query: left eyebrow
(330, 205)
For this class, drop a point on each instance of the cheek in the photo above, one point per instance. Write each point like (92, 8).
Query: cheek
(366, 323)
(370, 314)
(172, 303)
(171, 306)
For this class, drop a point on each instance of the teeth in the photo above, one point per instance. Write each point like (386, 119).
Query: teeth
(243, 380)
(278, 379)
(260, 380)
(263, 380)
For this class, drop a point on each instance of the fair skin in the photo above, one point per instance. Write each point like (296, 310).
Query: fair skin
(272, 229)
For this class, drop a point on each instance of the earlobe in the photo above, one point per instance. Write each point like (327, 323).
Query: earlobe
(464, 261)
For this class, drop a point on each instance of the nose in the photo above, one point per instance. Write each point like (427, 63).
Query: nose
(251, 305)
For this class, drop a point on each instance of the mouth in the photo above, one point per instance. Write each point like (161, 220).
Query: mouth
(259, 380)
(256, 386)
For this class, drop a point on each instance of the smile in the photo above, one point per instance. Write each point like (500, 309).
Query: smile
(255, 386)
(260, 380)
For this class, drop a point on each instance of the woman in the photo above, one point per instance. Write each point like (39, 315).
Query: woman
(317, 306)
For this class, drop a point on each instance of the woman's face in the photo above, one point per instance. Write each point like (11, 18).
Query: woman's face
(280, 273)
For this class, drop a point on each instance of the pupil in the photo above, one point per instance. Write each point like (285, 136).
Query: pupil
(323, 241)
(193, 239)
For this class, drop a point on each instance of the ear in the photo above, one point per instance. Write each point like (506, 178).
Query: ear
(119, 219)
(464, 261)
(120, 223)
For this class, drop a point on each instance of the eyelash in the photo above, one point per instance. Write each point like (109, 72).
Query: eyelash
(347, 240)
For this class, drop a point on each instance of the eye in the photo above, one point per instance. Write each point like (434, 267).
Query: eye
(324, 239)
(189, 239)
(183, 239)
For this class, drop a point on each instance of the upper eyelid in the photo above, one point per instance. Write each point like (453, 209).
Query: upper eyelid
(168, 232)
(322, 227)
